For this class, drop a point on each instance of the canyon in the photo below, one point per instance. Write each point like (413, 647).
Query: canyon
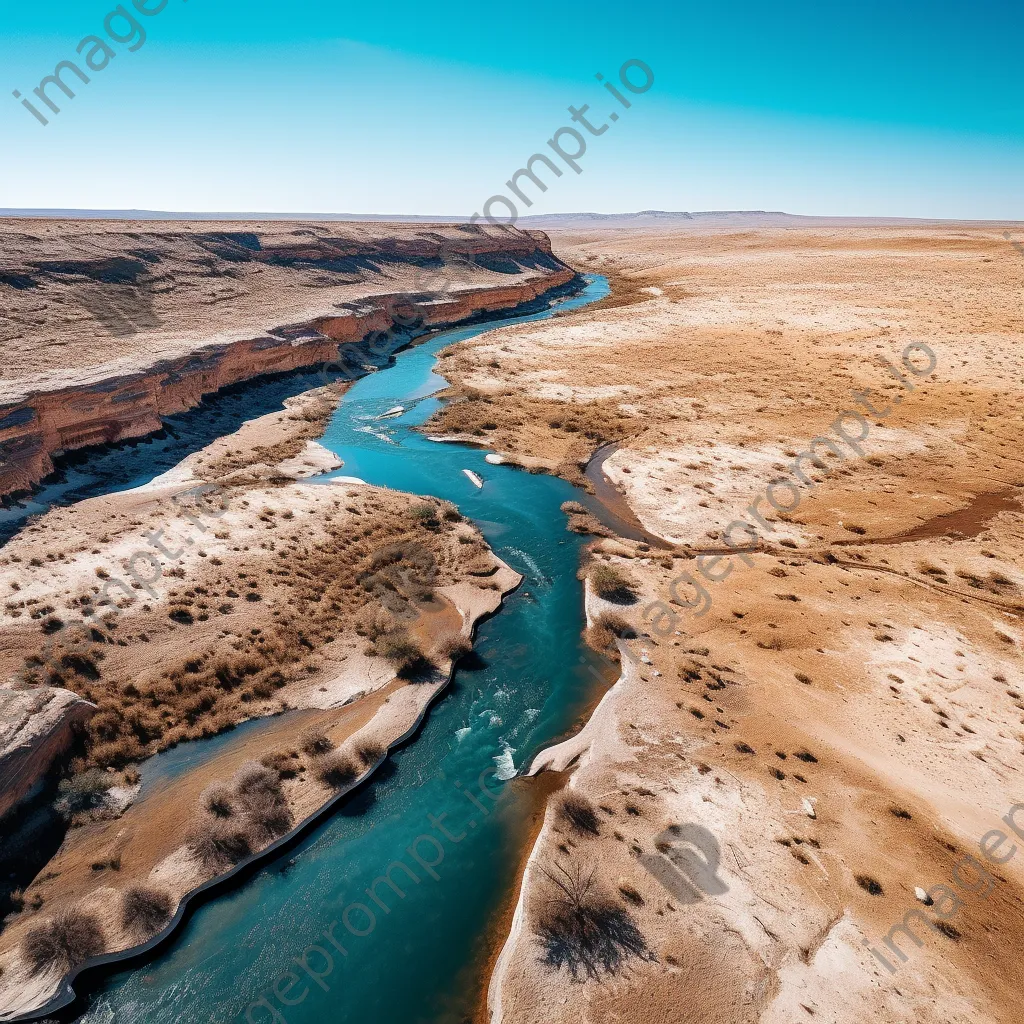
(107, 333)
(737, 828)
(219, 307)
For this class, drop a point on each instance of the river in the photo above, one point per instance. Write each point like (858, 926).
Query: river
(421, 959)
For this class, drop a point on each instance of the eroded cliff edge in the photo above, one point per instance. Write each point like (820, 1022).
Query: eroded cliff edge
(107, 327)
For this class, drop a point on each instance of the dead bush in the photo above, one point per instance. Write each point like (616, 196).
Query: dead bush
(576, 811)
(217, 799)
(315, 741)
(405, 654)
(219, 844)
(607, 628)
(373, 622)
(583, 930)
(613, 584)
(616, 625)
(68, 939)
(254, 779)
(453, 647)
(83, 793)
(118, 753)
(335, 769)
(284, 762)
(370, 752)
(268, 815)
(144, 911)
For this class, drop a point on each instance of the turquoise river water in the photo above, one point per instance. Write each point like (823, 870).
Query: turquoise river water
(242, 955)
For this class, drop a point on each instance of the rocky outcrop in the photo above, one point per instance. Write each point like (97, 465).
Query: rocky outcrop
(99, 409)
(36, 726)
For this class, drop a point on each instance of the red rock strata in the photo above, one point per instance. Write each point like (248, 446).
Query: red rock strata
(131, 405)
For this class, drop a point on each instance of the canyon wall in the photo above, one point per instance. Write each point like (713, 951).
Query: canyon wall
(36, 726)
(113, 388)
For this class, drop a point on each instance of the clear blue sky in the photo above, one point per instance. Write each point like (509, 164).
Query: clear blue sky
(891, 108)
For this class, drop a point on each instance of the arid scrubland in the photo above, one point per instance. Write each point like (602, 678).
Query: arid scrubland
(343, 604)
(841, 707)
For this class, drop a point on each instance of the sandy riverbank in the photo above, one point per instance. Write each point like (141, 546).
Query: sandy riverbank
(832, 721)
(264, 593)
(109, 327)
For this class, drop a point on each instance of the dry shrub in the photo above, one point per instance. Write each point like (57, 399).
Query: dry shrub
(616, 625)
(68, 939)
(575, 810)
(268, 815)
(261, 797)
(373, 622)
(607, 628)
(219, 844)
(117, 753)
(315, 741)
(370, 752)
(83, 793)
(284, 762)
(217, 800)
(585, 931)
(404, 653)
(255, 779)
(613, 584)
(335, 769)
(453, 647)
(144, 911)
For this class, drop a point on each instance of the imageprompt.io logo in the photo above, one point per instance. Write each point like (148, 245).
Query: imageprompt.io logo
(687, 863)
(123, 309)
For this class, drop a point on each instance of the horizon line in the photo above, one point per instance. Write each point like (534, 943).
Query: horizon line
(73, 213)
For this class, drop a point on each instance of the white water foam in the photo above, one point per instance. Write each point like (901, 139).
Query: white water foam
(378, 434)
(504, 763)
(531, 564)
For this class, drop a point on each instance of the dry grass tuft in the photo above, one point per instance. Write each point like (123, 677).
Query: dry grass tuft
(335, 769)
(144, 911)
(612, 584)
(68, 939)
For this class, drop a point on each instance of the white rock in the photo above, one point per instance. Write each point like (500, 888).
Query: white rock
(922, 896)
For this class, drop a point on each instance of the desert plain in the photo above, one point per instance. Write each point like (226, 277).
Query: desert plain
(789, 805)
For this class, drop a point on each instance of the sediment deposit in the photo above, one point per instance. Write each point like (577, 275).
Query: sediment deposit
(342, 604)
(810, 734)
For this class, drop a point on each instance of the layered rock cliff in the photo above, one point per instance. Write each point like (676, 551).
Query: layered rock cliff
(105, 333)
(36, 726)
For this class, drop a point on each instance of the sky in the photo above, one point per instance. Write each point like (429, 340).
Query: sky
(864, 108)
